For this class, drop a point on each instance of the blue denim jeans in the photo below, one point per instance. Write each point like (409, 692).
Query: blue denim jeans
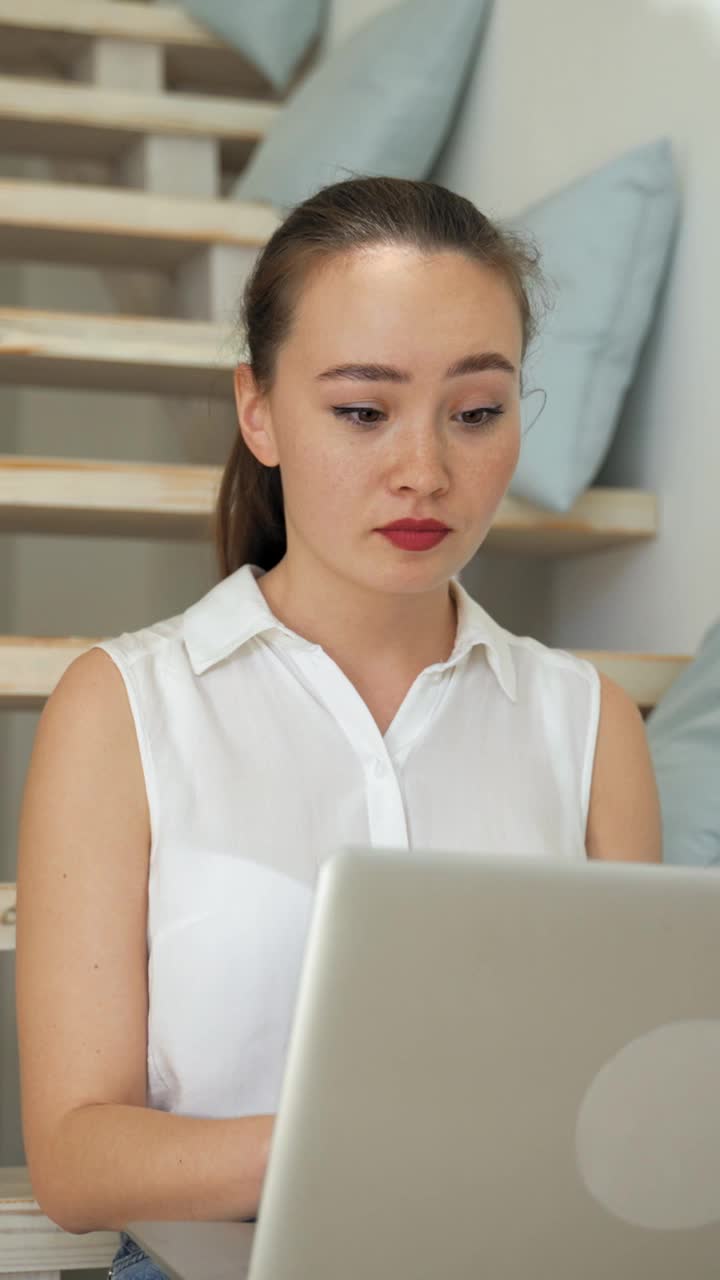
(132, 1263)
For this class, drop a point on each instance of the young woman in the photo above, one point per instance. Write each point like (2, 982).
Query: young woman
(337, 685)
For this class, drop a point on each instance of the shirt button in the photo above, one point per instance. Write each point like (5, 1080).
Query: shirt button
(379, 768)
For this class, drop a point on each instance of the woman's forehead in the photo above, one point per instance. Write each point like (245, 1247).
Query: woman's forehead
(396, 265)
(370, 306)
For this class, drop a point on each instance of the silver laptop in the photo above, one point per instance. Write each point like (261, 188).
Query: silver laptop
(499, 1066)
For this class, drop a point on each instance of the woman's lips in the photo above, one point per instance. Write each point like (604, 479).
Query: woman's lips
(414, 539)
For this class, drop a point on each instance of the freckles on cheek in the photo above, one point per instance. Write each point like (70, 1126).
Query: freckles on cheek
(325, 484)
(340, 469)
(496, 459)
(504, 456)
(490, 477)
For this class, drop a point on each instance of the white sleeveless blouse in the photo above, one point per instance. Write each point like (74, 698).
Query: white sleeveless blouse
(261, 760)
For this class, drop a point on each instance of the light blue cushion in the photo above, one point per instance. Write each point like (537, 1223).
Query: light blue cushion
(605, 242)
(273, 34)
(380, 103)
(684, 736)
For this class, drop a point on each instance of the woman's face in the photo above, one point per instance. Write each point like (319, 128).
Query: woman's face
(356, 452)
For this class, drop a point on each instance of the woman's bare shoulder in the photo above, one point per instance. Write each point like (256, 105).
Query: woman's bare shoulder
(624, 819)
(87, 723)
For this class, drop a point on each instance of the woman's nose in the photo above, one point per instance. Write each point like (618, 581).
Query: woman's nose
(421, 460)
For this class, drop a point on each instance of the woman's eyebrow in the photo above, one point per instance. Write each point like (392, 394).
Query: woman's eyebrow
(476, 362)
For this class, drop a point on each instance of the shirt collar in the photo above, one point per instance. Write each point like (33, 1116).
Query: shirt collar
(235, 610)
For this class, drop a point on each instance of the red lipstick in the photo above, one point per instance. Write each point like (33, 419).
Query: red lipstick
(414, 535)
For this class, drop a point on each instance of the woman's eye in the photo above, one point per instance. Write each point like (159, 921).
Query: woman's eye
(489, 413)
(345, 413)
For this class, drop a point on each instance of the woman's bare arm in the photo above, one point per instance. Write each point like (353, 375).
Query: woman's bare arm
(98, 1156)
(624, 821)
(115, 1164)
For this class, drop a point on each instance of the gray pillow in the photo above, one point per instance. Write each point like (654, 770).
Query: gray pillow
(273, 34)
(684, 736)
(380, 103)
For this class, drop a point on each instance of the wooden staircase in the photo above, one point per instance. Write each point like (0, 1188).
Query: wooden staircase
(171, 115)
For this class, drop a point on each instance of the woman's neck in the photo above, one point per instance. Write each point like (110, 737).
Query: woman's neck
(364, 630)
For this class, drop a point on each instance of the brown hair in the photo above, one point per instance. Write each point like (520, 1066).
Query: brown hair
(359, 213)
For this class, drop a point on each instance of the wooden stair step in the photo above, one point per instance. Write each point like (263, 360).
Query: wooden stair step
(645, 676)
(30, 1241)
(39, 31)
(43, 117)
(600, 519)
(30, 667)
(8, 897)
(150, 499)
(106, 225)
(116, 353)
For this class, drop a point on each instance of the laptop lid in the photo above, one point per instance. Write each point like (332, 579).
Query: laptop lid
(195, 1250)
(500, 1066)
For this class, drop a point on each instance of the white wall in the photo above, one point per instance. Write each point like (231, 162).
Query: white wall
(559, 88)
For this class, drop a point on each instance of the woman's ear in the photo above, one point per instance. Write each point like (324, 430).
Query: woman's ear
(254, 420)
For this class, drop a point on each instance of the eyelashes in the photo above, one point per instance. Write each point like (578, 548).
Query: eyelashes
(492, 413)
